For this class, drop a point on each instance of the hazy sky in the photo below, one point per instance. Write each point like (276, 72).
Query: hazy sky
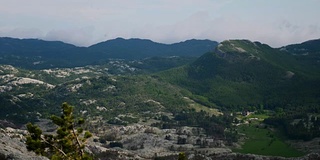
(84, 22)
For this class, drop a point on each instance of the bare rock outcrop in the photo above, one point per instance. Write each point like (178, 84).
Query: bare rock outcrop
(13, 148)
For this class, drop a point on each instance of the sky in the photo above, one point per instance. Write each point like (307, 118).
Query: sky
(86, 22)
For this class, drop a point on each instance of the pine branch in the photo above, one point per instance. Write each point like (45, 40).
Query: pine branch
(78, 142)
(55, 147)
(76, 137)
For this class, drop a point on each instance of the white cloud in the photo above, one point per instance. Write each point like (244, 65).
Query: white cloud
(76, 36)
(20, 32)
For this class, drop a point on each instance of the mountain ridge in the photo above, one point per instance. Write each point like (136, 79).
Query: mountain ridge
(135, 48)
(39, 54)
(307, 46)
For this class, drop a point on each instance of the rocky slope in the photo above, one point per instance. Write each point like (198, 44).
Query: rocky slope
(12, 146)
(154, 146)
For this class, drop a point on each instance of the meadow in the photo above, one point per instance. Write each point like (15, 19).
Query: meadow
(263, 141)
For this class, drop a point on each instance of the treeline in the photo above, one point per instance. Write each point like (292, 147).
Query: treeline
(299, 124)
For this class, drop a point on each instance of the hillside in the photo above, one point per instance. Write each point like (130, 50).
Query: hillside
(249, 76)
(26, 94)
(240, 73)
(311, 46)
(39, 54)
(146, 115)
(307, 53)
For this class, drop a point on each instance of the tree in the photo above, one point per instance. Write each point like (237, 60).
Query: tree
(67, 144)
(182, 156)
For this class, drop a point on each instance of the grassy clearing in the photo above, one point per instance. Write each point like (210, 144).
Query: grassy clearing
(211, 111)
(264, 142)
(198, 107)
(259, 116)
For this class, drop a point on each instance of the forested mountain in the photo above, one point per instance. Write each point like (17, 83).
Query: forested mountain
(32, 47)
(35, 53)
(307, 53)
(311, 46)
(39, 54)
(240, 73)
(141, 48)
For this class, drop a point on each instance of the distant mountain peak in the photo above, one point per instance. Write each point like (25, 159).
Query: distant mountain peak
(235, 50)
(304, 48)
(240, 46)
